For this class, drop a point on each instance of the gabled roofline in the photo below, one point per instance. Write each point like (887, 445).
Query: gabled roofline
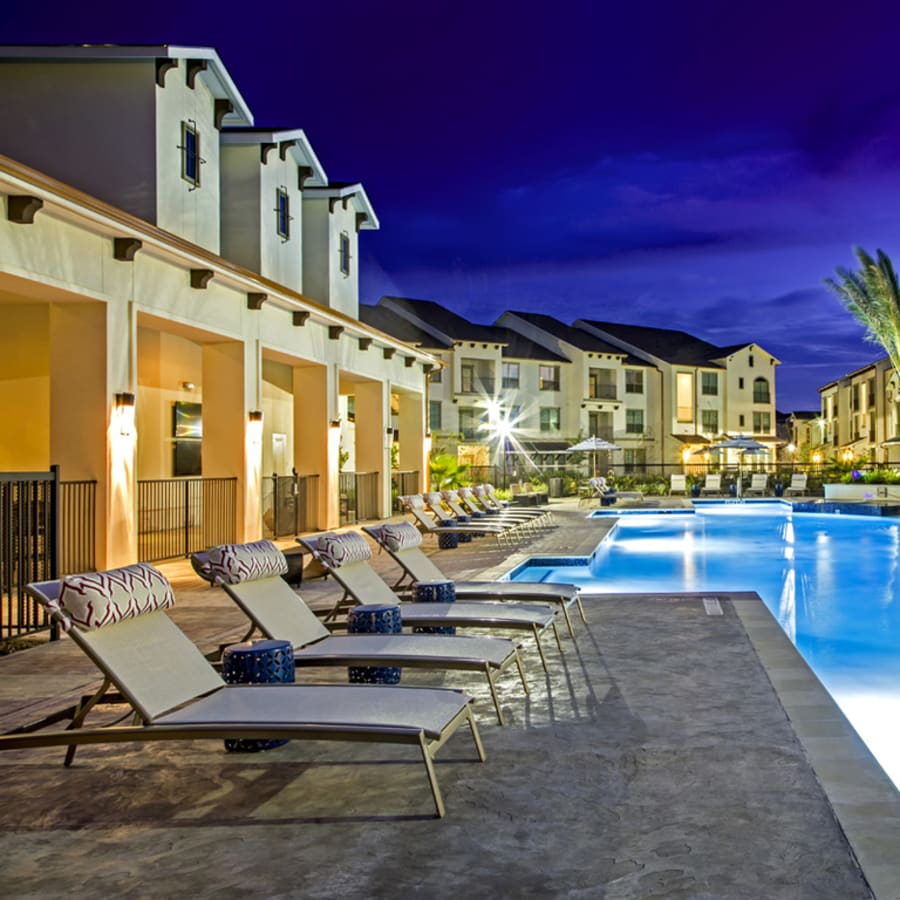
(217, 77)
(294, 141)
(348, 192)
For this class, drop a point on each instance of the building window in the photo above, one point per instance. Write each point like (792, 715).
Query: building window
(741, 420)
(750, 360)
(510, 375)
(762, 422)
(434, 415)
(436, 376)
(684, 396)
(602, 384)
(190, 153)
(761, 391)
(709, 384)
(548, 378)
(468, 422)
(871, 391)
(344, 252)
(634, 421)
(515, 414)
(634, 381)
(283, 214)
(741, 383)
(709, 419)
(467, 379)
(549, 418)
(635, 459)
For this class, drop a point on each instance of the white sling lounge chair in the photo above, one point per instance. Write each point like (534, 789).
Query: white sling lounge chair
(250, 575)
(712, 485)
(404, 543)
(759, 484)
(415, 505)
(678, 484)
(118, 619)
(797, 485)
(518, 527)
(346, 557)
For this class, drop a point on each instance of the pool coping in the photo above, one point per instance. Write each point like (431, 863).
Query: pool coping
(865, 801)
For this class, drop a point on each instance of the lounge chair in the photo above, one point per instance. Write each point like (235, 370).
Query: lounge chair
(346, 557)
(435, 503)
(249, 573)
(678, 484)
(512, 518)
(713, 485)
(481, 496)
(797, 485)
(118, 618)
(415, 505)
(404, 543)
(759, 484)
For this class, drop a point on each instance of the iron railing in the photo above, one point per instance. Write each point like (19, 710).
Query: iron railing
(290, 504)
(403, 484)
(29, 546)
(358, 497)
(77, 526)
(178, 516)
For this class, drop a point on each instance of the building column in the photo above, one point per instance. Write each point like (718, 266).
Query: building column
(411, 425)
(316, 441)
(373, 443)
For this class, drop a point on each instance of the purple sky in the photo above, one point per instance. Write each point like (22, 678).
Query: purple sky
(695, 165)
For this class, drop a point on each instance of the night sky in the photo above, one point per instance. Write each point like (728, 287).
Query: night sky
(694, 165)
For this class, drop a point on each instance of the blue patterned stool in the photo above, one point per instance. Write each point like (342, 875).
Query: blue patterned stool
(464, 538)
(257, 662)
(448, 541)
(374, 618)
(434, 592)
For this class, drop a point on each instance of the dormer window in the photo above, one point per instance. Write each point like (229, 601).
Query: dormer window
(283, 214)
(190, 153)
(344, 252)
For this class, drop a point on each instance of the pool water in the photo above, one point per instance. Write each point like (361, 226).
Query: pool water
(832, 581)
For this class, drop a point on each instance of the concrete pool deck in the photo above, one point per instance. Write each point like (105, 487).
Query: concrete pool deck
(668, 753)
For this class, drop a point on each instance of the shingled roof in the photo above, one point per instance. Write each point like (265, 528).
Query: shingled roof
(390, 322)
(673, 346)
(433, 315)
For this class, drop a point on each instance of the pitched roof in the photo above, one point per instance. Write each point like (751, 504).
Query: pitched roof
(397, 326)
(583, 340)
(520, 347)
(439, 317)
(677, 347)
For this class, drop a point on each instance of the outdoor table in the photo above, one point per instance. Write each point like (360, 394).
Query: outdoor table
(257, 662)
(374, 618)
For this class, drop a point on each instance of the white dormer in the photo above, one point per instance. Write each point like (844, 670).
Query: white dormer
(137, 127)
(264, 174)
(333, 216)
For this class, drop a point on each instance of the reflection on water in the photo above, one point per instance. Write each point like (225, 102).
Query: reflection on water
(831, 581)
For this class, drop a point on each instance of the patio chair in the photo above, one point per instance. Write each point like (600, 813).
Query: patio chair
(118, 619)
(712, 485)
(346, 557)
(404, 543)
(249, 573)
(415, 505)
(759, 484)
(678, 484)
(485, 498)
(797, 485)
(500, 515)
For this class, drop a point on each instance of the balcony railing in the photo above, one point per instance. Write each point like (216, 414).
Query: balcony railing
(602, 392)
(477, 385)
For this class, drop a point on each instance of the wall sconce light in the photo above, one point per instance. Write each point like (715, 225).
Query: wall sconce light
(255, 415)
(124, 400)
(336, 422)
(188, 385)
(389, 430)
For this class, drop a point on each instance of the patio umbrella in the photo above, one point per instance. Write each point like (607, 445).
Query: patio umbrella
(592, 445)
(742, 444)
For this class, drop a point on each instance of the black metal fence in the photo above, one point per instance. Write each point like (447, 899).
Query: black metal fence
(77, 526)
(29, 546)
(290, 504)
(358, 497)
(178, 516)
(403, 484)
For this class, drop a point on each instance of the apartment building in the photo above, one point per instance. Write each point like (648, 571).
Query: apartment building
(860, 415)
(180, 299)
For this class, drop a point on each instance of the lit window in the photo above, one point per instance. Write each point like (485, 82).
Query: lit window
(684, 396)
(548, 378)
(549, 418)
(634, 421)
(510, 375)
(762, 422)
(283, 213)
(709, 383)
(190, 153)
(345, 253)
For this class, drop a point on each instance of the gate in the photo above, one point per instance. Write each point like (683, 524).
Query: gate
(290, 504)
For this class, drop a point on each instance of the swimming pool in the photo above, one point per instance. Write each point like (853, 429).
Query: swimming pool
(832, 581)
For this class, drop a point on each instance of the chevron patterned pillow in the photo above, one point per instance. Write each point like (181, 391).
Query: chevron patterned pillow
(234, 563)
(336, 550)
(400, 536)
(96, 599)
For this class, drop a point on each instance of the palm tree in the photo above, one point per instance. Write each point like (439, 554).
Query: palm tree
(872, 295)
